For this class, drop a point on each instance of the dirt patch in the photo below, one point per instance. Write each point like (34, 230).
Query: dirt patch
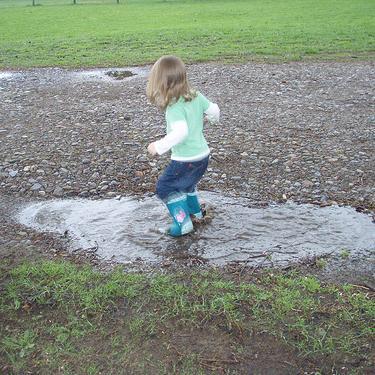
(120, 74)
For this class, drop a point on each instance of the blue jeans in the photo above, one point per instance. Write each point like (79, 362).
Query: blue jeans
(180, 177)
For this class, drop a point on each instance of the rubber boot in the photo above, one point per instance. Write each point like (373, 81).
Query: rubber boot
(179, 211)
(194, 205)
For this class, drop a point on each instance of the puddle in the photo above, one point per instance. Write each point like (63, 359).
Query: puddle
(120, 74)
(114, 74)
(127, 229)
(6, 75)
(57, 75)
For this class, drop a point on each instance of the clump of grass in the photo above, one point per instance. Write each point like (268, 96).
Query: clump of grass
(321, 263)
(344, 254)
(64, 284)
(18, 347)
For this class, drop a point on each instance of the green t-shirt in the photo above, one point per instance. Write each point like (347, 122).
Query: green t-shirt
(193, 113)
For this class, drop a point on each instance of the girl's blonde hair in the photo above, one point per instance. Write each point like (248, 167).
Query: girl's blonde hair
(168, 82)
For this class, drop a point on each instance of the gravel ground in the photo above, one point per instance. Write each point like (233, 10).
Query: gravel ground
(298, 131)
(295, 131)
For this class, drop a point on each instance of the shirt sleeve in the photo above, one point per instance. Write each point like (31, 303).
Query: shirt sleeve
(179, 131)
(213, 113)
(211, 110)
(205, 103)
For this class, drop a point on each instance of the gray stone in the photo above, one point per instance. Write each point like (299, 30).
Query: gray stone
(58, 191)
(36, 187)
(13, 173)
(307, 183)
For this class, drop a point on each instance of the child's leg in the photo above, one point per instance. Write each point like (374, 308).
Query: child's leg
(192, 193)
(172, 187)
(167, 189)
(179, 210)
(193, 204)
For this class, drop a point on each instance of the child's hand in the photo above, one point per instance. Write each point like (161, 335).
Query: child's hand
(152, 149)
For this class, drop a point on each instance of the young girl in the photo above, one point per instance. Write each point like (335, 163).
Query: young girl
(185, 108)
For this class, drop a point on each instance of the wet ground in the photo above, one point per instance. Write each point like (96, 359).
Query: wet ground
(296, 133)
(128, 229)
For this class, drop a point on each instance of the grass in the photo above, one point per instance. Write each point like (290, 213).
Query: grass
(139, 31)
(61, 316)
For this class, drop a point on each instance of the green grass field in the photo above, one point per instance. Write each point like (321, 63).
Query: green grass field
(138, 32)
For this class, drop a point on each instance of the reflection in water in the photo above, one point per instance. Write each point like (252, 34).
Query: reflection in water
(128, 229)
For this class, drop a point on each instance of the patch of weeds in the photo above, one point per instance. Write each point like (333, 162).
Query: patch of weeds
(144, 325)
(321, 263)
(310, 284)
(187, 365)
(62, 284)
(344, 254)
(92, 370)
(18, 348)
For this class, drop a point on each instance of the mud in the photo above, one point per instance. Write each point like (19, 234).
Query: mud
(108, 75)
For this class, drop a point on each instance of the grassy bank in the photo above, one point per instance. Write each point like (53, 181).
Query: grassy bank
(61, 318)
(138, 32)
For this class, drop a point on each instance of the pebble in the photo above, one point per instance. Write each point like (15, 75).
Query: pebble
(13, 173)
(58, 191)
(307, 184)
(36, 187)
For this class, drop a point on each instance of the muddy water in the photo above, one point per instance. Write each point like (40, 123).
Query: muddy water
(127, 229)
(112, 75)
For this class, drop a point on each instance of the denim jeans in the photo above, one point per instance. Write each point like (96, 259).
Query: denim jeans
(180, 177)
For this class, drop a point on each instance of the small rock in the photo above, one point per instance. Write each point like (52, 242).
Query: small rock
(307, 183)
(64, 171)
(58, 192)
(13, 173)
(138, 173)
(36, 187)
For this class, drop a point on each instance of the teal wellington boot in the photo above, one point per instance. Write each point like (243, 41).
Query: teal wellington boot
(179, 211)
(194, 205)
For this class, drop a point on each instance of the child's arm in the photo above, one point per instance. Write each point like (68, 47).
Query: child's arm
(213, 113)
(179, 131)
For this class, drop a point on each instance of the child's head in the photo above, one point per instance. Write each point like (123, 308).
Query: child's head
(167, 82)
